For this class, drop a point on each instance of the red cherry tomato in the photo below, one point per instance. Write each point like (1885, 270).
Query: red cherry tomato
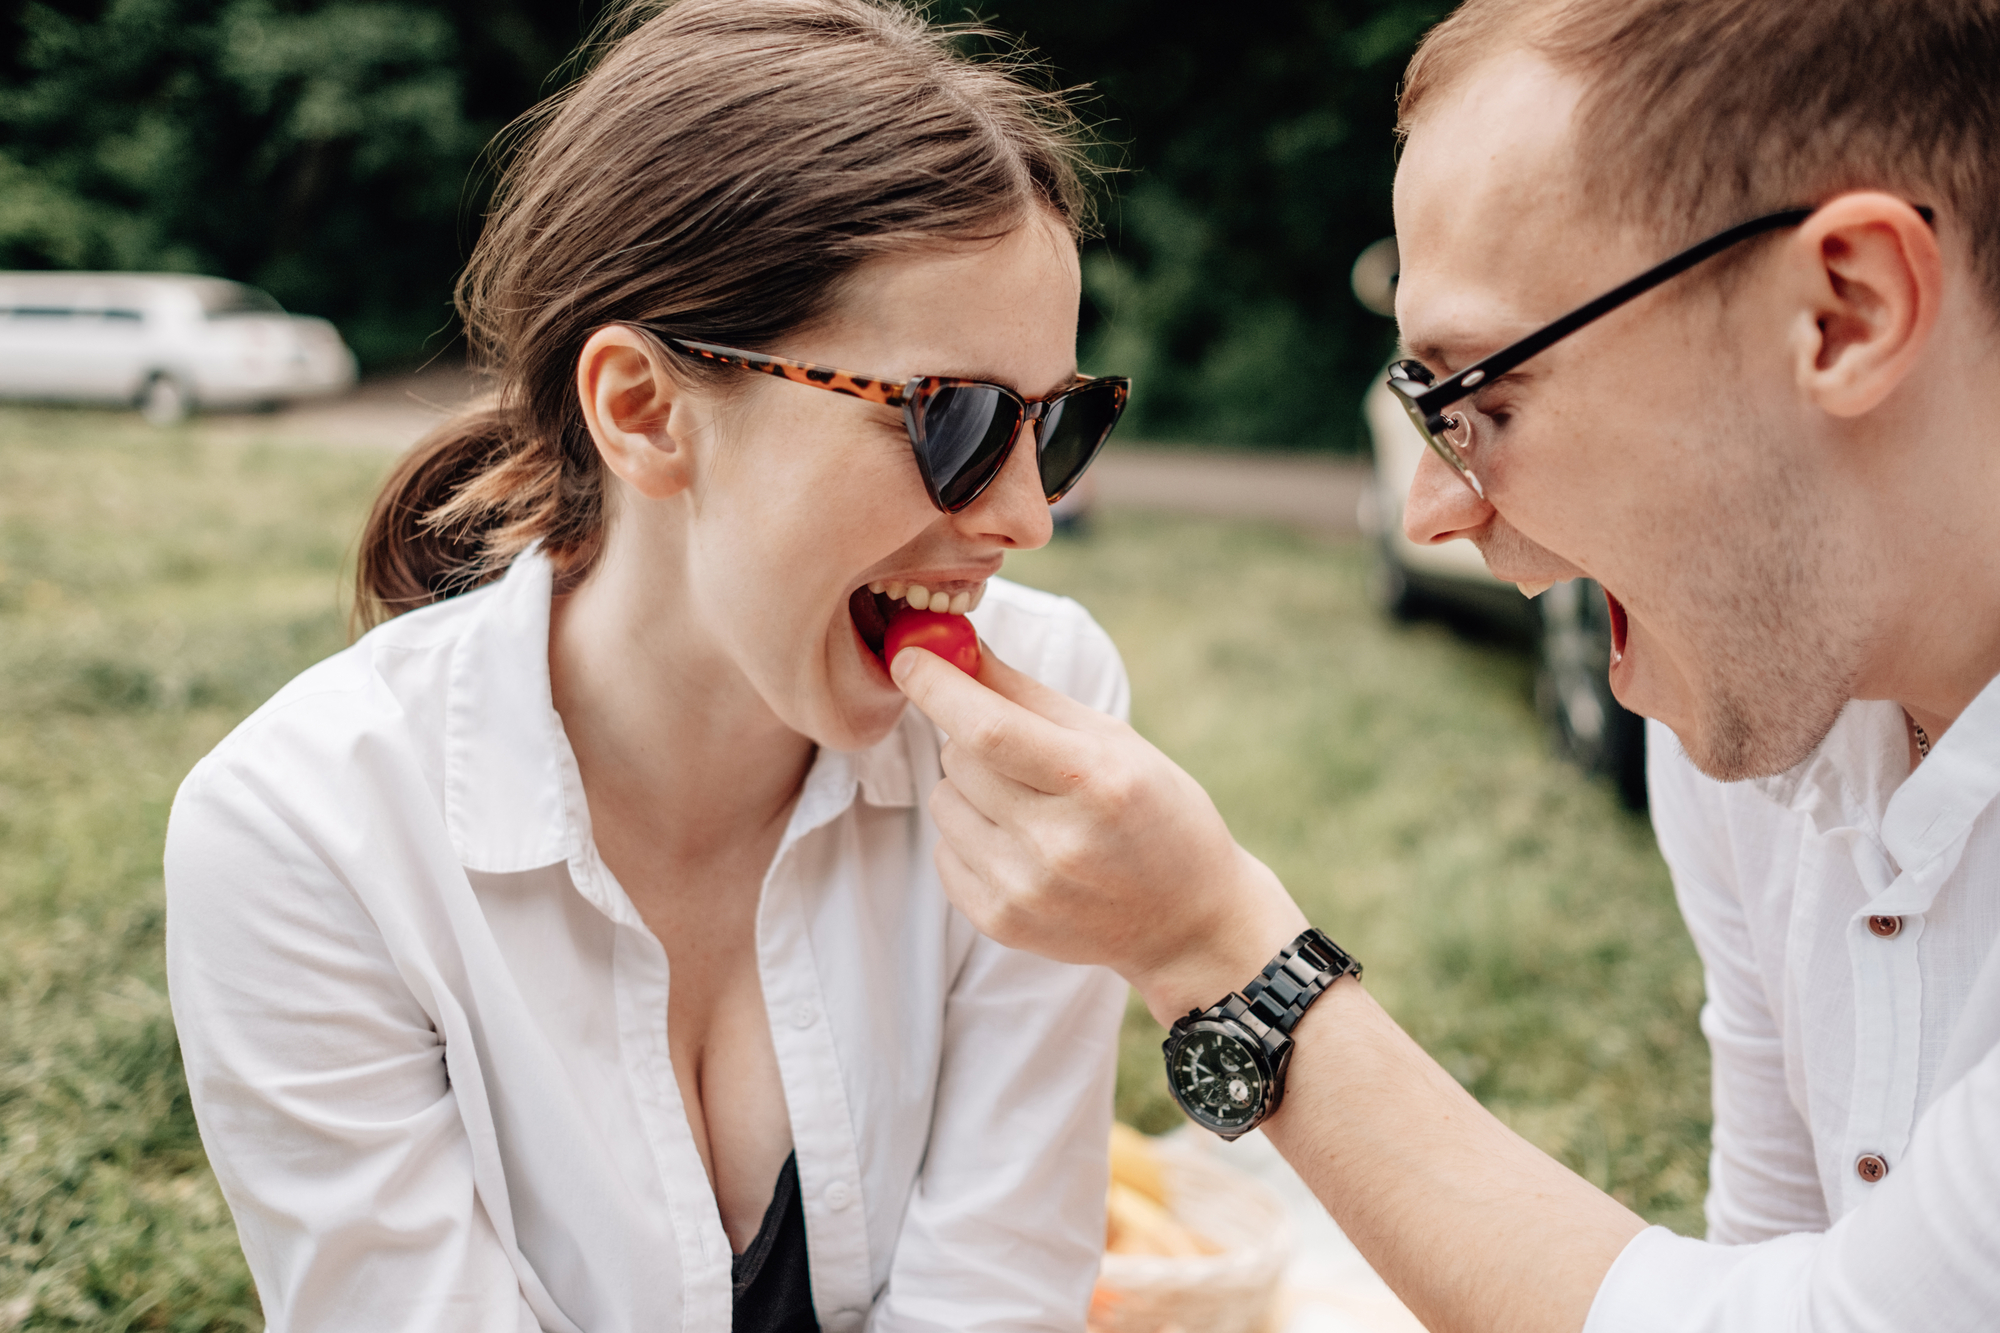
(950, 637)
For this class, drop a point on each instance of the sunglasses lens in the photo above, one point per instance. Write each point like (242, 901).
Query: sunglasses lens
(965, 431)
(1074, 430)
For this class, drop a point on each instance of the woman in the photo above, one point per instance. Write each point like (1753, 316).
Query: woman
(568, 953)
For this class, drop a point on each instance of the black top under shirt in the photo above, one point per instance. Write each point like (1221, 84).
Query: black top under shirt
(773, 1287)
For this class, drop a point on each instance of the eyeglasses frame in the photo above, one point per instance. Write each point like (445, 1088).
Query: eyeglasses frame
(1426, 402)
(911, 395)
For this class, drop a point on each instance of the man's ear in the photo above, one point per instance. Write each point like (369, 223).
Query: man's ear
(640, 417)
(1873, 281)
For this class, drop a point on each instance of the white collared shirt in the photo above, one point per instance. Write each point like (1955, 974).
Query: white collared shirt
(1848, 918)
(426, 1032)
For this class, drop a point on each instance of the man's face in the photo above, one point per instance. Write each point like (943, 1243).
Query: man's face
(1663, 451)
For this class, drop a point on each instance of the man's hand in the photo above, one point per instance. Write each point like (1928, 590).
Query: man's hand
(1067, 834)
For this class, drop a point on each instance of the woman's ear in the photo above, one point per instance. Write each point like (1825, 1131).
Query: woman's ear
(1874, 280)
(639, 416)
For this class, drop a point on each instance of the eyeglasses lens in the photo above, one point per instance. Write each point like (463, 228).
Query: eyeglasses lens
(966, 431)
(1409, 379)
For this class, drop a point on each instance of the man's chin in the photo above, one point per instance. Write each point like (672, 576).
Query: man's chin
(1728, 736)
(1731, 746)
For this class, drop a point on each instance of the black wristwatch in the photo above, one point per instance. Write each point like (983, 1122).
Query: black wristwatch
(1226, 1064)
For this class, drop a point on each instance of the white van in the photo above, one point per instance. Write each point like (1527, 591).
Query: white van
(165, 342)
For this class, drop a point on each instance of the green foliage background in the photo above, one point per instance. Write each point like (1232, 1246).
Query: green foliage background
(328, 151)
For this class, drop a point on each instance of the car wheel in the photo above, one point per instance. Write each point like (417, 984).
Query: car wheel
(165, 401)
(1573, 691)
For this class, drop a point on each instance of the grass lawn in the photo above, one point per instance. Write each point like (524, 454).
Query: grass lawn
(155, 586)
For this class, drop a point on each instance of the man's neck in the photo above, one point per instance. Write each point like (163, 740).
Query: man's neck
(1932, 505)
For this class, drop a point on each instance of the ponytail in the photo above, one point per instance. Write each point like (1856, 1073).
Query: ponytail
(460, 506)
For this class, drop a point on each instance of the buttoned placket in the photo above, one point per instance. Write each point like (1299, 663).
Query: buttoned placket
(642, 983)
(1924, 831)
(808, 1065)
(808, 1062)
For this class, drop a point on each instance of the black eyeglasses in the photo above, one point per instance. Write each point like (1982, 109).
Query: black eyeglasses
(1426, 401)
(961, 430)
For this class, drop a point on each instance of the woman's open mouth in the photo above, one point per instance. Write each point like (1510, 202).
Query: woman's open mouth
(1616, 609)
(871, 606)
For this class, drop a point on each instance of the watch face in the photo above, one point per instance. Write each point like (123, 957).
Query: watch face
(1217, 1078)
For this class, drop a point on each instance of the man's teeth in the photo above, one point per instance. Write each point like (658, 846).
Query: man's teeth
(920, 598)
(1535, 587)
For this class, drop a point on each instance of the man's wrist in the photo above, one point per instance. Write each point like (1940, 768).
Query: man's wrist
(1254, 919)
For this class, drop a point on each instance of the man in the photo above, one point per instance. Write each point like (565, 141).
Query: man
(1782, 460)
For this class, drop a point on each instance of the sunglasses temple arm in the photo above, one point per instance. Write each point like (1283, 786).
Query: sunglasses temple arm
(1433, 402)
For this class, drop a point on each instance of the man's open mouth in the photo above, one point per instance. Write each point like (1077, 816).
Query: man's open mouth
(871, 606)
(1616, 609)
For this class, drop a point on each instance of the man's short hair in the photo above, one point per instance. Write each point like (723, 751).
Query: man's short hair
(1698, 114)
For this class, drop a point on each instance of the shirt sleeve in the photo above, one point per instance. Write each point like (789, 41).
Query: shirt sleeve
(1006, 1222)
(1763, 1178)
(1922, 1254)
(320, 1085)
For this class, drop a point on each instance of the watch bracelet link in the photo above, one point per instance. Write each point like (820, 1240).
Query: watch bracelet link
(1289, 983)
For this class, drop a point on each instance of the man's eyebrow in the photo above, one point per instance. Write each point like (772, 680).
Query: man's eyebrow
(1452, 358)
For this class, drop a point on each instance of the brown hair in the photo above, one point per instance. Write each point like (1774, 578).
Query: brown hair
(1698, 114)
(717, 174)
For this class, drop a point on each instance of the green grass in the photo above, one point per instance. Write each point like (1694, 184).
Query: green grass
(154, 587)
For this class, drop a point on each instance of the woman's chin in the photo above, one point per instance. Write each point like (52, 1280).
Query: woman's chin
(865, 704)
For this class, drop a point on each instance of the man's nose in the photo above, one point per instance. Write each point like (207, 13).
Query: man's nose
(1440, 505)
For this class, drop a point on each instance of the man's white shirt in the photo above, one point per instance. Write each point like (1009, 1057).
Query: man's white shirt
(1847, 914)
(426, 1031)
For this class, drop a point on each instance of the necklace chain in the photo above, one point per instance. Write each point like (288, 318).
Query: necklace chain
(1922, 738)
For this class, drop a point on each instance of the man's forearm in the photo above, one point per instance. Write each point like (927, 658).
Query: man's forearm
(1066, 833)
(1472, 1225)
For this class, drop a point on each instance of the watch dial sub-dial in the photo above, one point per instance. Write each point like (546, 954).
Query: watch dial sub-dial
(1218, 1079)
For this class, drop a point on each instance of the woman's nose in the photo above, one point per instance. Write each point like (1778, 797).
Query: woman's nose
(1014, 510)
(1440, 505)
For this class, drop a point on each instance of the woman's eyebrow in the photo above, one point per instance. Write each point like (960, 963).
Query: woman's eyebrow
(987, 377)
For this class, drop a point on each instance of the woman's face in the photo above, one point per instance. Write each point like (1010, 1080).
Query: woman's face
(803, 498)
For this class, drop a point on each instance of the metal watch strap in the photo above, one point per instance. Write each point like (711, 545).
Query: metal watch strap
(1300, 973)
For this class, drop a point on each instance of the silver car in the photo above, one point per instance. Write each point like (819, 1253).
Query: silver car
(165, 343)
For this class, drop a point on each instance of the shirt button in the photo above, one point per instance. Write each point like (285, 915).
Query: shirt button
(1870, 1166)
(1888, 927)
(838, 1195)
(804, 1015)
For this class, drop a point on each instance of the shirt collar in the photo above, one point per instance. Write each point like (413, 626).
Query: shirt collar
(513, 797)
(1860, 777)
(1933, 811)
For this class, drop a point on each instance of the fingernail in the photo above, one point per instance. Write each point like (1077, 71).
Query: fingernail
(897, 671)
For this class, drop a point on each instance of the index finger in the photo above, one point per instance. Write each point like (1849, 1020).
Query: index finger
(1000, 733)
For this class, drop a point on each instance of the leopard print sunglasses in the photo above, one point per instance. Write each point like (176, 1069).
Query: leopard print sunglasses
(962, 431)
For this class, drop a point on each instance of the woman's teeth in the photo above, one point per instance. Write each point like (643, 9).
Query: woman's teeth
(920, 598)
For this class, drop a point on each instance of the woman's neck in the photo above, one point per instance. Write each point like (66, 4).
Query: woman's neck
(669, 736)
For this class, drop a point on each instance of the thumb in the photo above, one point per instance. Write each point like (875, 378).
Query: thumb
(1021, 688)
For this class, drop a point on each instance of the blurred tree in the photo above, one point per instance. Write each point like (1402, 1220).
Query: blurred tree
(1257, 162)
(326, 150)
(319, 150)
